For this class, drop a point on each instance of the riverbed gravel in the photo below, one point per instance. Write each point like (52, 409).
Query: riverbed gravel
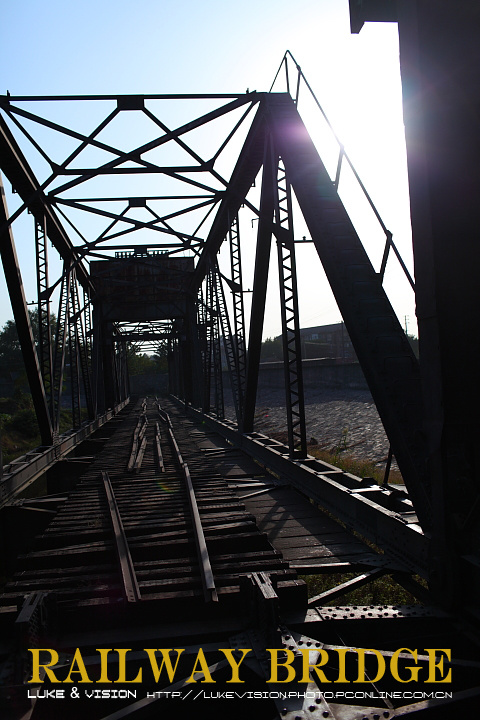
(344, 420)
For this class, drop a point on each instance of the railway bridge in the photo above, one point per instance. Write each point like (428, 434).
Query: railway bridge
(165, 522)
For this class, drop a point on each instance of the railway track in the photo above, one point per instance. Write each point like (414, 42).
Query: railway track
(159, 545)
(149, 529)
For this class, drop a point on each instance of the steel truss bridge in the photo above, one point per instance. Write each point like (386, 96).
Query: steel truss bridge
(173, 523)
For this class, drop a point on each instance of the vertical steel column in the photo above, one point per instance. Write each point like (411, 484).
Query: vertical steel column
(126, 379)
(60, 345)
(292, 355)
(216, 348)
(97, 358)
(171, 368)
(228, 343)
(209, 333)
(213, 354)
(87, 305)
(108, 352)
(238, 309)
(176, 366)
(73, 357)
(443, 156)
(14, 282)
(117, 369)
(43, 298)
(175, 363)
(260, 279)
(194, 349)
(179, 365)
(81, 340)
(203, 325)
(218, 377)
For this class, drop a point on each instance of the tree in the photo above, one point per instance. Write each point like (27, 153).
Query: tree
(11, 359)
(272, 349)
(10, 352)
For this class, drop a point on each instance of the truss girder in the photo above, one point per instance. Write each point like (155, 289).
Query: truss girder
(43, 300)
(22, 178)
(260, 279)
(77, 320)
(73, 349)
(387, 360)
(238, 307)
(384, 353)
(214, 348)
(22, 320)
(243, 176)
(292, 353)
(228, 342)
(61, 340)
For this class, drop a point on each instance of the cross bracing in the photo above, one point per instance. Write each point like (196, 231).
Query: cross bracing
(147, 226)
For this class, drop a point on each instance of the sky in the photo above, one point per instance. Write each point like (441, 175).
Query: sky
(217, 47)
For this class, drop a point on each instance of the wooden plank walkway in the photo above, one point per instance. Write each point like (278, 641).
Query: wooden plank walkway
(310, 540)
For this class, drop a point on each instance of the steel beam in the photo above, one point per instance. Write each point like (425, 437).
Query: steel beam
(238, 309)
(22, 178)
(78, 317)
(43, 305)
(243, 177)
(73, 342)
(61, 340)
(260, 280)
(14, 282)
(228, 344)
(292, 352)
(388, 362)
(20, 473)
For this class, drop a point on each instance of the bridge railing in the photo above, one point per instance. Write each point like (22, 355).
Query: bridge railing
(295, 79)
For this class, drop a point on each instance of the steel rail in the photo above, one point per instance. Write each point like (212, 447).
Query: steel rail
(127, 570)
(138, 434)
(158, 444)
(138, 460)
(208, 581)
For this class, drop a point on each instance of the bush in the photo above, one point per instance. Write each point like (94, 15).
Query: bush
(4, 419)
(24, 421)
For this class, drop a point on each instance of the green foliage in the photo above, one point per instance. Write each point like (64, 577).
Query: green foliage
(383, 591)
(341, 447)
(350, 464)
(143, 364)
(272, 349)
(11, 359)
(19, 426)
(24, 421)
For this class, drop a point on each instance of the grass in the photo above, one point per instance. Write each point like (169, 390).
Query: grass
(348, 463)
(15, 444)
(19, 428)
(383, 591)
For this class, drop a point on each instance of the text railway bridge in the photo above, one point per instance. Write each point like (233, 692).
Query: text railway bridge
(161, 523)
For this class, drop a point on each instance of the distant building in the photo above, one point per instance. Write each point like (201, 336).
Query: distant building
(323, 342)
(327, 341)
